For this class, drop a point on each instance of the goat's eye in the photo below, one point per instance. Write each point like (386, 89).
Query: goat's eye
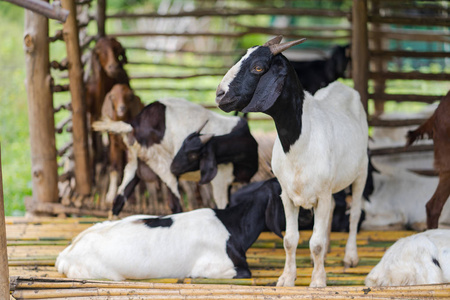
(258, 69)
(193, 156)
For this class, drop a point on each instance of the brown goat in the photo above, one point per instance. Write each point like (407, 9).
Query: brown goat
(120, 104)
(437, 127)
(107, 61)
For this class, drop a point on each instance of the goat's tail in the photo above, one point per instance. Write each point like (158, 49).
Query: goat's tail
(426, 128)
(112, 126)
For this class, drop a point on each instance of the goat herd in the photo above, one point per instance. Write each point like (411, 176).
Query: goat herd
(321, 150)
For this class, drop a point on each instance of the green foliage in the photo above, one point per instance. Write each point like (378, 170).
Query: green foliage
(14, 136)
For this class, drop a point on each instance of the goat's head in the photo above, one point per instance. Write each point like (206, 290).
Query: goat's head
(196, 154)
(111, 56)
(255, 82)
(121, 103)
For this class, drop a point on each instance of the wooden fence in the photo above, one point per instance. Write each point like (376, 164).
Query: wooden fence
(183, 48)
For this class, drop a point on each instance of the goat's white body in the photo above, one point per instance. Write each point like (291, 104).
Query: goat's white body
(182, 118)
(330, 154)
(399, 198)
(410, 261)
(193, 246)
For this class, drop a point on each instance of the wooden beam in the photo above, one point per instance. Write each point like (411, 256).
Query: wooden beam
(360, 50)
(395, 150)
(40, 109)
(101, 17)
(4, 269)
(43, 8)
(410, 76)
(78, 93)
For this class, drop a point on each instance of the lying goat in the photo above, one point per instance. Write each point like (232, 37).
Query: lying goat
(155, 136)
(205, 152)
(321, 146)
(423, 258)
(120, 104)
(201, 243)
(437, 127)
(316, 74)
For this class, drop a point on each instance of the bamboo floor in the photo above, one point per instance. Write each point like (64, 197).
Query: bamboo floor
(33, 245)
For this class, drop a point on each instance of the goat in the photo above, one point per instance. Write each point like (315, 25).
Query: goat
(437, 127)
(200, 243)
(205, 152)
(107, 59)
(422, 258)
(156, 134)
(397, 193)
(316, 74)
(321, 146)
(120, 104)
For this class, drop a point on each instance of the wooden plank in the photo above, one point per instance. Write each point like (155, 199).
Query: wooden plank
(411, 75)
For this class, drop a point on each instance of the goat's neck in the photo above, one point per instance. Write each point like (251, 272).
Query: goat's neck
(231, 147)
(288, 110)
(244, 222)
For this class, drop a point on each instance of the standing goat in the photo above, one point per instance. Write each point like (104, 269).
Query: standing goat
(422, 258)
(120, 104)
(155, 136)
(321, 146)
(200, 243)
(107, 61)
(437, 127)
(317, 74)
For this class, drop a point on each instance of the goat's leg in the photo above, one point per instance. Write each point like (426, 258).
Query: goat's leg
(116, 159)
(351, 251)
(290, 242)
(129, 176)
(319, 239)
(436, 203)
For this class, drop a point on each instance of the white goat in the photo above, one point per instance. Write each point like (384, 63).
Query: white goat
(398, 199)
(321, 146)
(422, 258)
(156, 135)
(200, 243)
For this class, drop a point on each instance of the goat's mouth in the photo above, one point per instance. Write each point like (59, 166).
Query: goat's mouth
(228, 104)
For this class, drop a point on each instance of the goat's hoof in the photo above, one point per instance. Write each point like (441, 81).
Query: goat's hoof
(318, 283)
(351, 262)
(284, 280)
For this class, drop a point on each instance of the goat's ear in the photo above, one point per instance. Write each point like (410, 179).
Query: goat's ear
(208, 165)
(275, 219)
(108, 107)
(268, 89)
(136, 107)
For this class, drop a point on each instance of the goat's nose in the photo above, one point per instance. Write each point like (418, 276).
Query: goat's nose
(219, 95)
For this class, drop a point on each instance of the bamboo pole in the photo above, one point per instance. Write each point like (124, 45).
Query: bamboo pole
(360, 49)
(43, 8)
(4, 270)
(78, 93)
(40, 109)
(101, 17)
(379, 64)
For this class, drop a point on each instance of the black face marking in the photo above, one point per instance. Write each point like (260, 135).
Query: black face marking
(150, 124)
(436, 262)
(158, 222)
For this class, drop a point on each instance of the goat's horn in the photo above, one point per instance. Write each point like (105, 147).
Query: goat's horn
(204, 138)
(201, 127)
(278, 48)
(274, 41)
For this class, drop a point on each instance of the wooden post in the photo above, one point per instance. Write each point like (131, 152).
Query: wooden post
(78, 93)
(101, 17)
(4, 270)
(40, 109)
(379, 64)
(360, 49)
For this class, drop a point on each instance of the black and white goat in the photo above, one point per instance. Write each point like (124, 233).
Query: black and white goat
(316, 74)
(200, 243)
(422, 258)
(155, 136)
(321, 146)
(205, 152)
